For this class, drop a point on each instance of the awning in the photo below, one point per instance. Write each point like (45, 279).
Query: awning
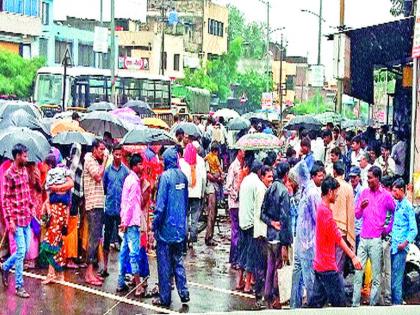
(383, 45)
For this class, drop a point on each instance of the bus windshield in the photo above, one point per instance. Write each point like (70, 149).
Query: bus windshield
(49, 89)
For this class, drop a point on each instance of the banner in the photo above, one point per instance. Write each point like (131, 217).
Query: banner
(133, 63)
(267, 100)
(416, 38)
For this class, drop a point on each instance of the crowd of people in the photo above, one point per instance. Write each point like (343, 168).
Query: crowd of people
(324, 199)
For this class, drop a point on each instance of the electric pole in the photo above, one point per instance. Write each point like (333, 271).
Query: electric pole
(268, 45)
(101, 23)
(319, 32)
(281, 80)
(340, 87)
(112, 63)
(162, 45)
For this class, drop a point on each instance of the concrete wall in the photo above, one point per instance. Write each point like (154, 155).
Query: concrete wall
(213, 44)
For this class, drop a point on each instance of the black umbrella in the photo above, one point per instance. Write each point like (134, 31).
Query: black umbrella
(188, 128)
(145, 135)
(238, 123)
(70, 137)
(140, 107)
(10, 107)
(305, 122)
(21, 118)
(37, 144)
(100, 122)
(101, 106)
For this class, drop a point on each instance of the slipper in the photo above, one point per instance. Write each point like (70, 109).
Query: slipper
(158, 302)
(95, 282)
(147, 295)
(48, 280)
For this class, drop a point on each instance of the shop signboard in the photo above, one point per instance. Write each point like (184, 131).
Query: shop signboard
(267, 100)
(100, 40)
(316, 75)
(133, 63)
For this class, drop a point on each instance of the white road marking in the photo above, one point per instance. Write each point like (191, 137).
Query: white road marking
(208, 287)
(104, 294)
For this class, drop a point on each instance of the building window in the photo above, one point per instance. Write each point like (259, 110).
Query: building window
(215, 28)
(176, 62)
(43, 47)
(26, 7)
(45, 13)
(60, 50)
(86, 56)
(26, 51)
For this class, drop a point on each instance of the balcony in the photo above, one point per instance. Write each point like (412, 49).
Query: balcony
(20, 24)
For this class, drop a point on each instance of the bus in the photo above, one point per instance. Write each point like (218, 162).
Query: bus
(85, 86)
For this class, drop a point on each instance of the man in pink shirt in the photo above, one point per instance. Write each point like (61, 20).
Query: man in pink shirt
(373, 205)
(130, 225)
(329, 283)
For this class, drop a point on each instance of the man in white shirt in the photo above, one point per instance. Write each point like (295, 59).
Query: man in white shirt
(357, 151)
(364, 168)
(385, 162)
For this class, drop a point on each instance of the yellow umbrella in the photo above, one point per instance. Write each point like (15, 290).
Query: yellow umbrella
(155, 122)
(65, 125)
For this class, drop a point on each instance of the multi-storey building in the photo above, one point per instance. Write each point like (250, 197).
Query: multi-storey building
(20, 25)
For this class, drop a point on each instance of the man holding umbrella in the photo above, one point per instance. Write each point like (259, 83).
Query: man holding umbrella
(18, 208)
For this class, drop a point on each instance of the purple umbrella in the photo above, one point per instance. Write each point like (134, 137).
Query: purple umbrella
(127, 115)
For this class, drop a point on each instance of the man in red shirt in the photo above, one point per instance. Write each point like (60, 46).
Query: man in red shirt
(329, 284)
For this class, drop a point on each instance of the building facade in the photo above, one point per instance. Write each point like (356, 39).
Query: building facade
(203, 25)
(20, 25)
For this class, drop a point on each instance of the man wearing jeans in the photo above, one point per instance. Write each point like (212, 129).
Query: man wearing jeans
(18, 208)
(329, 282)
(403, 233)
(114, 178)
(373, 204)
(130, 225)
(93, 173)
(305, 237)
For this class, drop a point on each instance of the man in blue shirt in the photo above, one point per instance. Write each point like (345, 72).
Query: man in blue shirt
(404, 231)
(306, 152)
(114, 178)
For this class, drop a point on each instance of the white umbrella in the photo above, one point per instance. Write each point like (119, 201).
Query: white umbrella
(226, 113)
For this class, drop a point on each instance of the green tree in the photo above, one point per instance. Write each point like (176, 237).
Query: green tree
(252, 34)
(252, 84)
(17, 74)
(315, 105)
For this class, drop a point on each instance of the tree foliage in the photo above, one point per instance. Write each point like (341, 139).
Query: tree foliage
(315, 105)
(252, 84)
(17, 74)
(252, 34)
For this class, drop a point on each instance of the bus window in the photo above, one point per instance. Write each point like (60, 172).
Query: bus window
(49, 89)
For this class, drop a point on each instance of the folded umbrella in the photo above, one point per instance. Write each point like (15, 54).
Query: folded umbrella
(100, 122)
(37, 144)
(147, 135)
(70, 137)
(238, 123)
(140, 107)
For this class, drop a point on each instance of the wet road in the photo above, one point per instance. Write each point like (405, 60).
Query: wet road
(210, 280)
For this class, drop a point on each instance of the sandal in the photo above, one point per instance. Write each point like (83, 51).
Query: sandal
(94, 282)
(158, 302)
(49, 279)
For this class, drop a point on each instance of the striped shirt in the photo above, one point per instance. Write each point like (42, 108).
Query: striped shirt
(93, 191)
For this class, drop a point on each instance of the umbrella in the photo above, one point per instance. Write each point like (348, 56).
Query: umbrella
(306, 122)
(37, 144)
(100, 122)
(189, 129)
(155, 122)
(67, 115)
(327, 117)
(70, 137)
(258, 141)
(22, 118)
(10, 107)
(65, 125)
(127, 115)
(140, 107)
(226, 113)
(101, 106)
(347, 123)
(256, 116)
(238, 123)
(147, 135)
